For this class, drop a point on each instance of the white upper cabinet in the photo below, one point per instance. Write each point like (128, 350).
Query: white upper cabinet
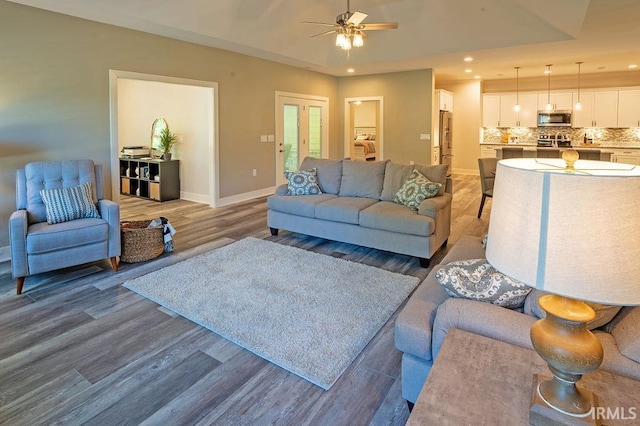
(558, 100)
(599, 109)
(491, 111)
(499, 111)
(629, 108)
(526, 117)
(445, 100)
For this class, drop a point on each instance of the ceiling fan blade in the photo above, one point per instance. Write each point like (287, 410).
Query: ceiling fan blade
(380, 26)
(324, 33)
(357, 18)
(319, 23)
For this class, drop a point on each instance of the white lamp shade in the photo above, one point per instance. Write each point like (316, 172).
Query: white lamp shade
(572, 234)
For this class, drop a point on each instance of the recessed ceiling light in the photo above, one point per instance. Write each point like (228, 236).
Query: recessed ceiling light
(633, 66)
(350, 70)
(477, 77)
(468, 59)
(468, 70)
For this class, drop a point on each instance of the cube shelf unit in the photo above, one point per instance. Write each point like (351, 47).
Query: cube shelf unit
(157, 180)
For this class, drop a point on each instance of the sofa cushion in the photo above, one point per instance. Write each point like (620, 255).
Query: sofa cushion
(329, 173)
(624, 328)
(362, 178)
(343, 209)
(394, 176)
(604, 313)
(393, 217)
(415, 190)
(302, 205)
(66, 204)
(477, 280)
(436, 173)
(45, 238)
(302, 182)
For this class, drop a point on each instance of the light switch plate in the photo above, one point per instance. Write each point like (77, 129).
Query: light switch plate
(271, 138)
(263, 138)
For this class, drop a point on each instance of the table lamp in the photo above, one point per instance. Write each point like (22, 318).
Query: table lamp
(573, 232)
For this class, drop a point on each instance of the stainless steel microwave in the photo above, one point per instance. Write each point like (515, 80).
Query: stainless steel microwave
(554, 118)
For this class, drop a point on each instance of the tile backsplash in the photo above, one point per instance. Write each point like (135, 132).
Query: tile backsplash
(611, 137)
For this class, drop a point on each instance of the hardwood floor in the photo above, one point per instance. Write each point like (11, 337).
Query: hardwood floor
(78, 348)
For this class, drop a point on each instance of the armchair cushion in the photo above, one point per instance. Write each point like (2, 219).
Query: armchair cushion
(65, 204)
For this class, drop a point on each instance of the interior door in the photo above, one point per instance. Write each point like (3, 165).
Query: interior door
(300, 132)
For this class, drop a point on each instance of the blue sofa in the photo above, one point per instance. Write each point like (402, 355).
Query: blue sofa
(356, 206)
(430, 313)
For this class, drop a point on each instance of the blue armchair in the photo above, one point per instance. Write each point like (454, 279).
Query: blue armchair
(37, 245)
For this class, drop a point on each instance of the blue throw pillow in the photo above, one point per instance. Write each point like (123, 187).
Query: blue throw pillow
(302, 182)
(65, 204)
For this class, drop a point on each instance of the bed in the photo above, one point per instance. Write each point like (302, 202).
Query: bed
(364, 144)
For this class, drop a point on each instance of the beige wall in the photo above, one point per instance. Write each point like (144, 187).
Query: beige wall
(564, 82)
(54, 96)
(467, 121)
(407, 110)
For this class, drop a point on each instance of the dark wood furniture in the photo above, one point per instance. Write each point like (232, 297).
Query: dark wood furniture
(157, 180)
(481, 381)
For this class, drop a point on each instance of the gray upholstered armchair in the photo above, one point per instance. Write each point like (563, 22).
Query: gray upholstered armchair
(45, 238)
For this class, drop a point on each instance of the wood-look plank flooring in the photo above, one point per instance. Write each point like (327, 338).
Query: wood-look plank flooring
(78, 348)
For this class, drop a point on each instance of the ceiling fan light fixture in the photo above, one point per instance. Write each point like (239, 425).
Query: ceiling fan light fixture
(340, 39)
(358, 41)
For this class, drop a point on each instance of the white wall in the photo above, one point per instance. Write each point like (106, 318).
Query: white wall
(189, 112)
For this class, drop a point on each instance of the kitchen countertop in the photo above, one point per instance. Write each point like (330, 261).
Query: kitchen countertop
(534, 146)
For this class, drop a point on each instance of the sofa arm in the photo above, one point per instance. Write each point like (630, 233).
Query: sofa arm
(282, 189)
(481, 318)
(432, 206)
(110, 212)
(18, 225)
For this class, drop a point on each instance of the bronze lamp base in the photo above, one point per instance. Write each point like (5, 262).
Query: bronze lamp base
(571, 350)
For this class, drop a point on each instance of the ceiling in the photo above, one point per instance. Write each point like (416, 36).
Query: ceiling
(498, 34)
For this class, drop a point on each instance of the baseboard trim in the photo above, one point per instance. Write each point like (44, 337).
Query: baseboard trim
(470, 172)
(5, 254)
(225, 201)
(196, 198)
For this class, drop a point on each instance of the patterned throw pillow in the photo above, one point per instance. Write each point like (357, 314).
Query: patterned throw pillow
(303, 182)
(478, 280)
(65, 204)
(415, 190)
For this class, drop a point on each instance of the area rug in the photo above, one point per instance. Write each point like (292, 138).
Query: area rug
(309, 313)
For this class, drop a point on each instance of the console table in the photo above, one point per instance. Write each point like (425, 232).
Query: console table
(476, 380)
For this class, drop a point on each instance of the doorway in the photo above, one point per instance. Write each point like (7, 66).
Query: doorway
(301, 130)
(190, 107)
(363, 128)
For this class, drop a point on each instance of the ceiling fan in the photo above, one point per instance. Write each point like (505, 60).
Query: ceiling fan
(350, 28)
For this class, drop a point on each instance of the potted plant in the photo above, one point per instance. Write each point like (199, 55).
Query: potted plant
(167, 141)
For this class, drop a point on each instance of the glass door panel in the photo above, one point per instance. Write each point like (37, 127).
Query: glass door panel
(315, 131)
(291, 137)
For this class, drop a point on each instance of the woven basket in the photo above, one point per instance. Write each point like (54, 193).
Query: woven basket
(140, 243)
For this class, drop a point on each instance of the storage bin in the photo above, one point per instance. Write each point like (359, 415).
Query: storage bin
(140, 243)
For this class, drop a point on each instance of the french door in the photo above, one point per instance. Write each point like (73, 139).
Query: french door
(301, 131)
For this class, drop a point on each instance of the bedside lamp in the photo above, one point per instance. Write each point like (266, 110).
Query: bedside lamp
(574, 233)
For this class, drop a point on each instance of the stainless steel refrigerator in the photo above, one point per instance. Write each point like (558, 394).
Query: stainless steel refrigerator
(446, 127)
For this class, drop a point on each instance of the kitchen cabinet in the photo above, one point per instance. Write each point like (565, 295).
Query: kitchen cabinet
(628, 156)
(157, 180)
(488, 151)
(629, 108)
(491, 111)
(559, 100)
(498, 110)
(526, 117)
(599, 109)
(445, 100)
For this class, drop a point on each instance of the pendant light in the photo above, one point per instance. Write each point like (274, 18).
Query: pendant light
(549, 106)
(516, 107)
(578, 105)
